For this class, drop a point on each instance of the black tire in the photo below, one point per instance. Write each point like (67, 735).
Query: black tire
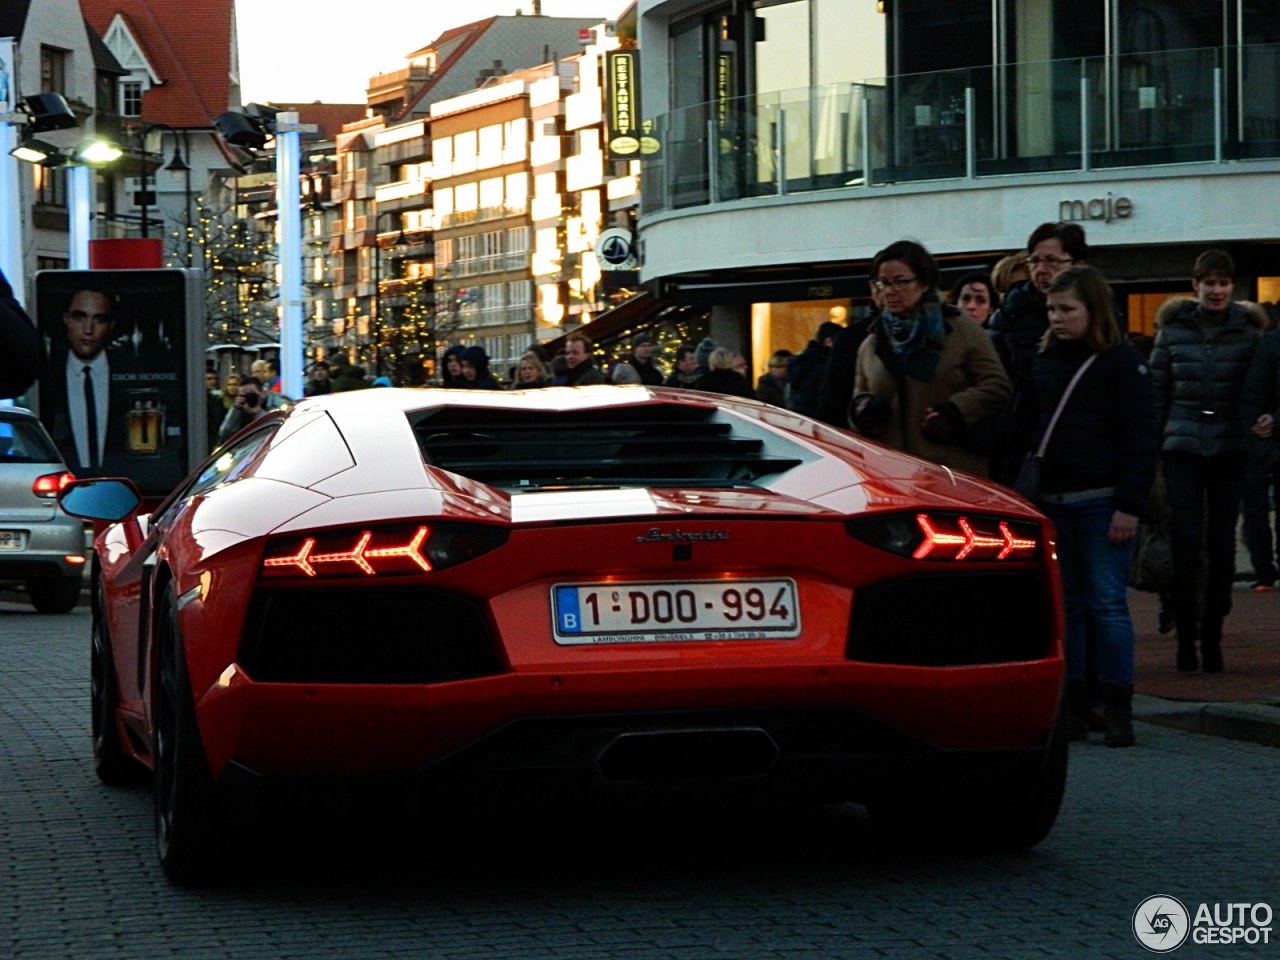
(1006, 818)
(54, 594)
(113, 766)
(187, 821)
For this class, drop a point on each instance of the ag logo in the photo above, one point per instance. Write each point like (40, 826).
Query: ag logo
(1161, 924)
(616, 250)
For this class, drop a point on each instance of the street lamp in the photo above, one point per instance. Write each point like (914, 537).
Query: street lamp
(35, 114)
(177, 165)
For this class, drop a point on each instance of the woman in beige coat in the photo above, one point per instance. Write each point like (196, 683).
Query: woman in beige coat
(925, 375)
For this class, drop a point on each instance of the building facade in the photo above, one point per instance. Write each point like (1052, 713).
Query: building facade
(799, 137)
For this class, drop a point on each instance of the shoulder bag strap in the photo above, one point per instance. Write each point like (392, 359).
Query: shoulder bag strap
(1066, 395)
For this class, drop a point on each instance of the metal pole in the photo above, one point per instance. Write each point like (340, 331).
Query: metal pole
(1084, 123)
(866, 140)
(186, 192)
(1219, 116)
(142, 155)
(713, 166)
(970, 134)
(780, 154)
(289, 204)
(11, 214)
(79, 204)
(377, 296)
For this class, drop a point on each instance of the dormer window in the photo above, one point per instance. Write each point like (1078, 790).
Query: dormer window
(131, 98)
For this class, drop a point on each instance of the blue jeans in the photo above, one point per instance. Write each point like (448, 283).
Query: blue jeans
(1095, 585)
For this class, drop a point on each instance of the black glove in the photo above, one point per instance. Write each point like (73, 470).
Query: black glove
(868, 414)
(943, 424)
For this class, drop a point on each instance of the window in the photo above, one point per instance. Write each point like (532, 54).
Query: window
(51, 186)
(464, 152)
(491, 194)
(490, 146)
(53, 70)
(131, 98)
(466, 197)
(518, 191)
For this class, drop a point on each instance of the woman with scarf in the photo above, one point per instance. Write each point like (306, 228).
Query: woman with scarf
(925, 374)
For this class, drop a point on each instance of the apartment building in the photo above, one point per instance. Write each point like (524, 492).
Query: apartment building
(397, 304)
(481, 147)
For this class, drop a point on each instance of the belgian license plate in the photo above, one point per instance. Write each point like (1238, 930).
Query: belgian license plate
(674, 610)
(13, 539)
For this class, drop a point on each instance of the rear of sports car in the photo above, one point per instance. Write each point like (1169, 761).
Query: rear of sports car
(661, 596)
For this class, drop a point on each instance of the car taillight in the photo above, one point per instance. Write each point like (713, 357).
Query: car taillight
(950, 536)
(376, 551)
(48, 485)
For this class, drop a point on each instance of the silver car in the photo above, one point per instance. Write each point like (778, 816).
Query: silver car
(41, 547)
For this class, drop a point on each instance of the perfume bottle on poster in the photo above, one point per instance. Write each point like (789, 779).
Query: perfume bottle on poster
(145, 420)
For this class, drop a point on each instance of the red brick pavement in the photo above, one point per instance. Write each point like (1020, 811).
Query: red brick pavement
(1250, 651)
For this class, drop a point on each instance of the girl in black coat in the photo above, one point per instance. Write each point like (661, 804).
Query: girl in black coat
(1099, 465)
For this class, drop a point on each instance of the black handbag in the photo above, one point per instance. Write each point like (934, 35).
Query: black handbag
(1027, 482)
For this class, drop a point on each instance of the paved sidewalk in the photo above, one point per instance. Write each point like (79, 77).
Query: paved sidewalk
(1242, 702)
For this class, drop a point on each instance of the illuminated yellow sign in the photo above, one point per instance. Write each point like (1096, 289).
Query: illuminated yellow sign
(627, 137)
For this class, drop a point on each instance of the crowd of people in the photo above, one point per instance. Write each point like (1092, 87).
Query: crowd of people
(1036, 371)
(1025, 363)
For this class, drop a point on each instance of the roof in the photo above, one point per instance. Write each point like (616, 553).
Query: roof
(190, 46)
(13, 17)
(329, 117)
(104, 61)
(512, 43)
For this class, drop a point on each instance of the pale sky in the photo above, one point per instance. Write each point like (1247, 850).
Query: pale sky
(297, 51)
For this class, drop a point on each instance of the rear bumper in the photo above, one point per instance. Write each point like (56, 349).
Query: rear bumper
(48, 545)
(851, 722)
(798, 753)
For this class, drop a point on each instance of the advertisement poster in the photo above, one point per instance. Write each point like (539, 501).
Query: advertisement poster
(123, 392)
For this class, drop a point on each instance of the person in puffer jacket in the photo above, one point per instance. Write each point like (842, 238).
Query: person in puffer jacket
(1202, 352)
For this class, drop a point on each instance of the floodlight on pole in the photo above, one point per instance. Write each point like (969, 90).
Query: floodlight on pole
(34, 114)
(289, 204)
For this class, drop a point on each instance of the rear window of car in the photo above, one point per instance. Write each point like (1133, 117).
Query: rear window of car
(645, 444)
(23, 440)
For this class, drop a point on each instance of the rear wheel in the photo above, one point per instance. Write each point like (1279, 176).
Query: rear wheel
(112, 765)
(185, 809)
(54, 594)
(1006, 817)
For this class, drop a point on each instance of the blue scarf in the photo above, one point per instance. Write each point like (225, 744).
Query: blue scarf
(915, 341)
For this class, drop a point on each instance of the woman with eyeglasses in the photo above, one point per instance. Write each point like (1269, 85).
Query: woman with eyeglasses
(1019, 325)
(924, 374)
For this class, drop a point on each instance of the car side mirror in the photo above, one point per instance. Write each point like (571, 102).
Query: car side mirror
(107, 499)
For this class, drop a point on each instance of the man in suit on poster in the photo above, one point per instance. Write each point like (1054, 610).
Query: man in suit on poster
(78, 404)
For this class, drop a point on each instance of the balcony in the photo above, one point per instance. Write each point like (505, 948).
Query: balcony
(462, 218)
(1085, 114)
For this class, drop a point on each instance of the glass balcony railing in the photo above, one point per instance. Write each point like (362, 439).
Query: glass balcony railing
(1183, 106)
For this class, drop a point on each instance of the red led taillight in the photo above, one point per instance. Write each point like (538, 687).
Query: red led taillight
(967, 541)
(360, 554)
(413, 548)
(946, 536)
(48, 485)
